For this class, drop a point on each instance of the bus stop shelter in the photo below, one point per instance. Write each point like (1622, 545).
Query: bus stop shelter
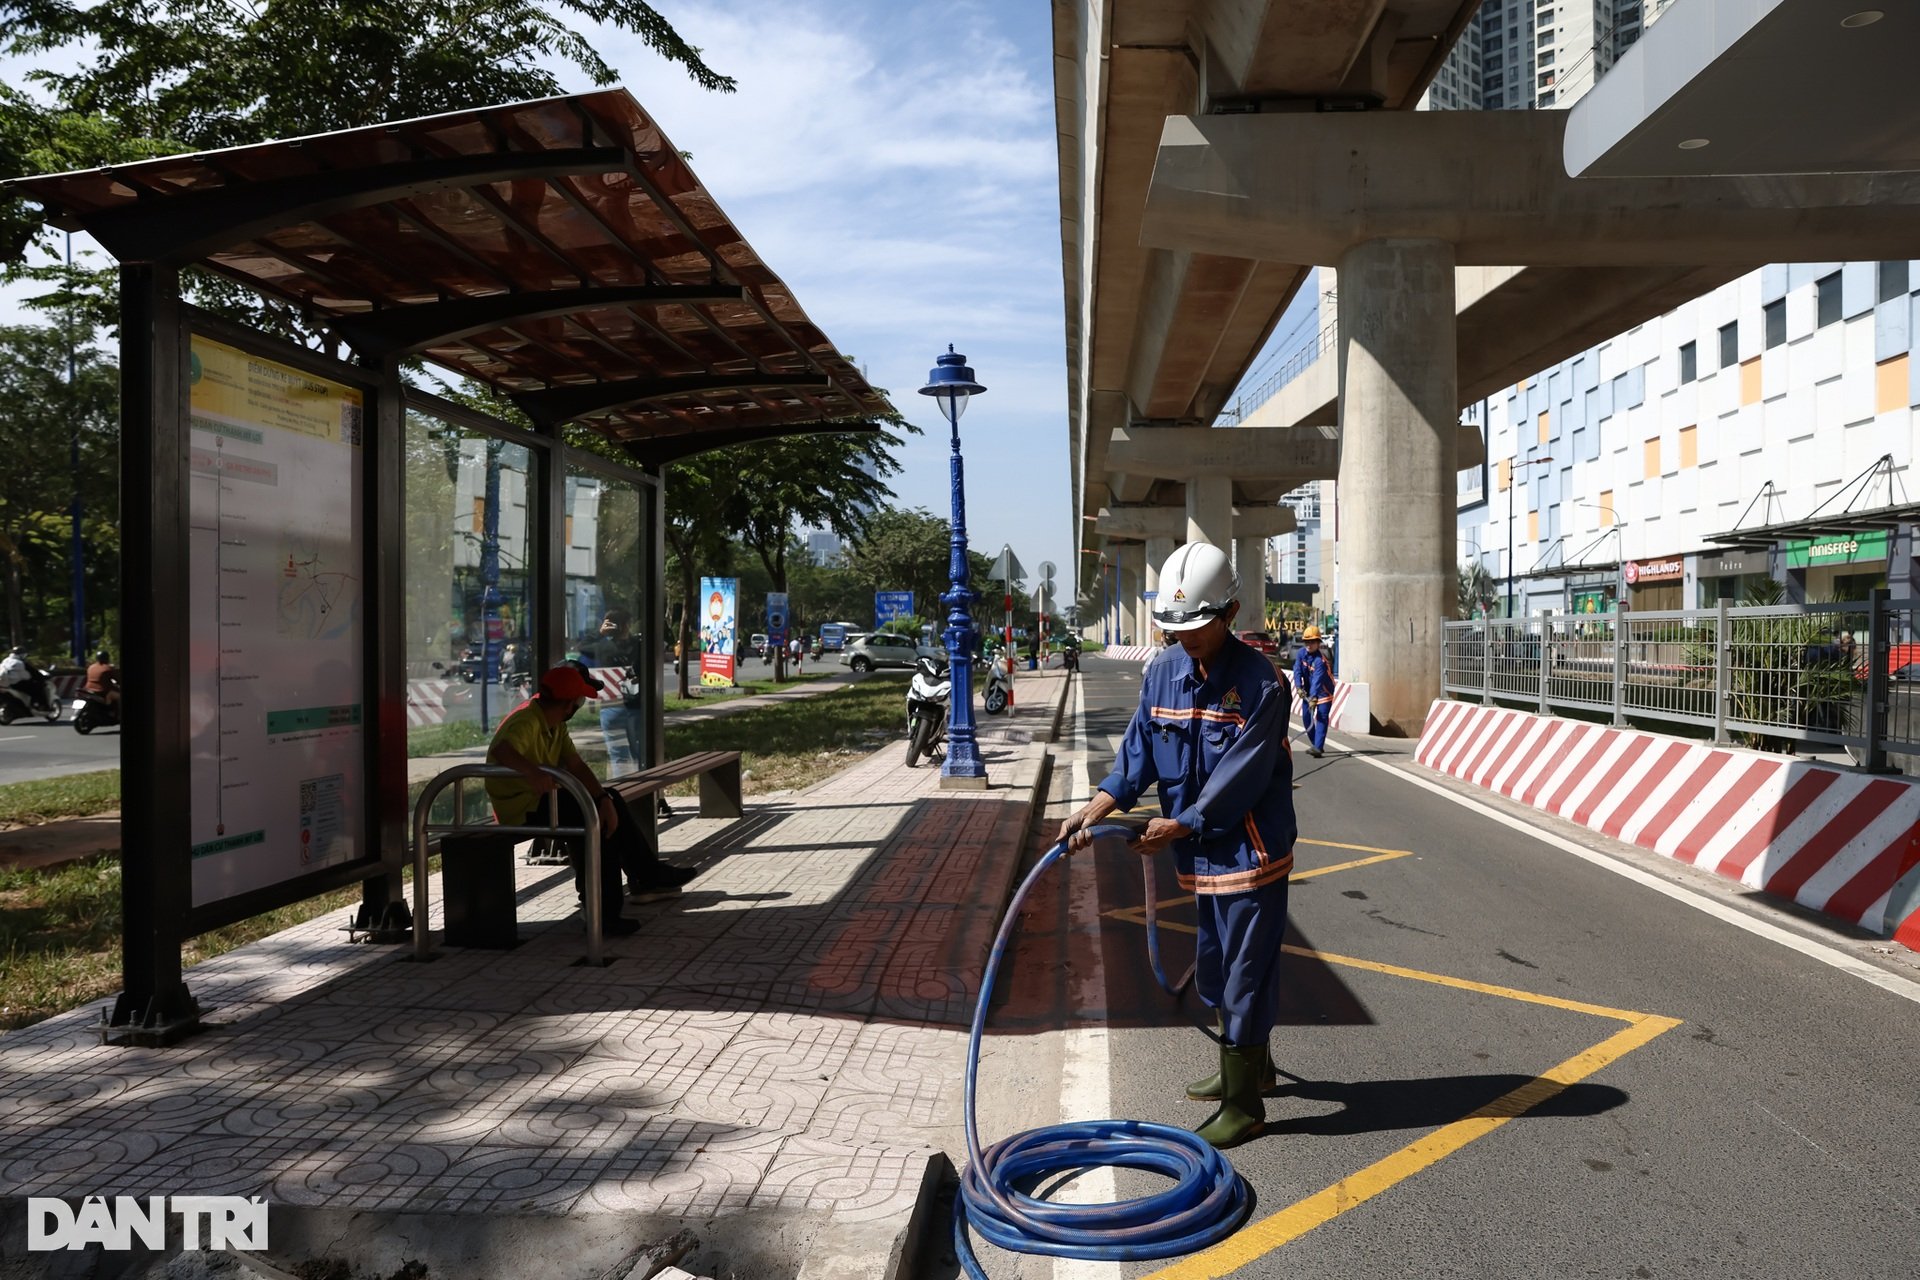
(308, 534)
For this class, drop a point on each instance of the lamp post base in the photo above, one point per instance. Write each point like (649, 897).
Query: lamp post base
(963, 782)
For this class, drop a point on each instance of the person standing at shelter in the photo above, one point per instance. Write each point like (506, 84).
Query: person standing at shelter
(1211, 731)
(535, 736)
(617, 648)
(1313, 678)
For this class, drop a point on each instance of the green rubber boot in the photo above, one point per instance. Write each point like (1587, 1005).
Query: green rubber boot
(1242, 1115)
(1210, 1089)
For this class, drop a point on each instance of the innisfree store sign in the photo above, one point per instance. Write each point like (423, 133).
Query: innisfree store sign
(1843, 548)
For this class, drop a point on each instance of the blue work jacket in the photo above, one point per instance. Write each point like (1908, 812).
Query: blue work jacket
(1218, 751)
(1313, 675)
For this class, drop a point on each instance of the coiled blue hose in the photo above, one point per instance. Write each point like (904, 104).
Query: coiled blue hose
(1206, 1203)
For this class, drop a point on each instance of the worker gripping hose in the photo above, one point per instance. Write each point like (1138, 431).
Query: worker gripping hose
(1206, 1203)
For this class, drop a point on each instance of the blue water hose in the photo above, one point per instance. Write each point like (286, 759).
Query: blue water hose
(1206, 1203)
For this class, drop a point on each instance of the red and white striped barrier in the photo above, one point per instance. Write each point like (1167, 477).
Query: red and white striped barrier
(427, 702)
(1126, 652)
(1847, 844)
(1342, 696)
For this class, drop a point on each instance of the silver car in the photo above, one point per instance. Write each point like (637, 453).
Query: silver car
(879, 649)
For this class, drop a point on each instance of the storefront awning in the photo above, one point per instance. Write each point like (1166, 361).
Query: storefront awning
(1840, 522)
(560, 251)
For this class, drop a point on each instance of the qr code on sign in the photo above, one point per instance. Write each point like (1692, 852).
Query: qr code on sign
(309, 797)
(351, 417)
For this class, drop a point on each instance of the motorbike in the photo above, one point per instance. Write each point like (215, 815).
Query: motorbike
(997, 692)
(1070, 657)
(927, 699)
(18, 702)
(94, 711)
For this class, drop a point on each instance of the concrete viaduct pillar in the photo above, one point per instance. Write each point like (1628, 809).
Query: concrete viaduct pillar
(1210, 510)
(1398, 423)
(1250, 566)
(1158, 549)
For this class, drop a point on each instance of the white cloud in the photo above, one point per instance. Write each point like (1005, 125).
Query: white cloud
(894, 162)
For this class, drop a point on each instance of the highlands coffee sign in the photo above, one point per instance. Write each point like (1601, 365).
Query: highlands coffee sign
(1641, 572)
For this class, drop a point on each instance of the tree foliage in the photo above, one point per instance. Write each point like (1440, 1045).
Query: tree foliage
(161, 76)
(41, 413)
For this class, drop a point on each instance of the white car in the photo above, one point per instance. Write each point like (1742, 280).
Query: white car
(879, 649)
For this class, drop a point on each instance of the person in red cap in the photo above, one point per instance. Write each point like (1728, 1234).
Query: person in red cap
(535, 735)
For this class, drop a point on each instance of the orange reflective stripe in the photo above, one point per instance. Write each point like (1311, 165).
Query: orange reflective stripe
(1259, 847)
(1238, 881)
(1197, 713)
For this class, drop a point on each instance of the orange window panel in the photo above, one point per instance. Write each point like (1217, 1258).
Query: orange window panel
(1689, 446)
(1652, 458)
(1546, 426)
(1506, 474)
(569, 538)
(1890, 384)
(1606, 508)
(1533, 526)
(479, 514)
(1750, 381)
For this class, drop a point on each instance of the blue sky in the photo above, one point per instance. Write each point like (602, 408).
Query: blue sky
(894, 162)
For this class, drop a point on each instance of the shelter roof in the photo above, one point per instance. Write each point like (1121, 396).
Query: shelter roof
(560, 251)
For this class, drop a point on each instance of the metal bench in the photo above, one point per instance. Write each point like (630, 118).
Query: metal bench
(718, 771)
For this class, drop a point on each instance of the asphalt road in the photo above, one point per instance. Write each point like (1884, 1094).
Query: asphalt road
(1505, 1061)
(36, 749)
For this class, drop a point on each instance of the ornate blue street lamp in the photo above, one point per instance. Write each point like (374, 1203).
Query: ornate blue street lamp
(951, 383)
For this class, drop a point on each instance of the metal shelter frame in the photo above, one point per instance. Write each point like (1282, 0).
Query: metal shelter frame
(560, 252)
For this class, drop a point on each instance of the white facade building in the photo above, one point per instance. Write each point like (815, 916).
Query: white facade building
(1788, 392)
(1525, 54)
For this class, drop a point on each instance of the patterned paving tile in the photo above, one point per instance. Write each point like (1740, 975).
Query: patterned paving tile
(727, 1059)
(863, 1183)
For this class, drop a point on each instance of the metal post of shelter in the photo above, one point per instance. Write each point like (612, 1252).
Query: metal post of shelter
(156, 881)
(1878, 698)
(1722, 648)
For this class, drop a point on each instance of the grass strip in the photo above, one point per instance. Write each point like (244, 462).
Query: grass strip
(76, 795)
(60, 928)
(60, 936)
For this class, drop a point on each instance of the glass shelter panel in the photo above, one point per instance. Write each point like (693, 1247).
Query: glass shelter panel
(470, 515)
(607, 623)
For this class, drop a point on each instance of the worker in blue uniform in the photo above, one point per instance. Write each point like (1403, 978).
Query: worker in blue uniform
(1211, 732)
(1313, 679)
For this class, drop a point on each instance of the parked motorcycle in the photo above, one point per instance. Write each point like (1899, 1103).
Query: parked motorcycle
(927, 698)
(27, 699)
(94, 711)
(997, 692)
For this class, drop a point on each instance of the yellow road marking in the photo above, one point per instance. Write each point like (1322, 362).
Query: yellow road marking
(1464, 984)
(1357, 848)
(1388, 856)
(1255, 1241)
(1296, 1220)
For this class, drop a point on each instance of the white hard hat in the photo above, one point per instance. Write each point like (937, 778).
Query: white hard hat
(1196, 586)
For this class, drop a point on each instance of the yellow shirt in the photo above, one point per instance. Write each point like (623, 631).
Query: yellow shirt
(527, 732)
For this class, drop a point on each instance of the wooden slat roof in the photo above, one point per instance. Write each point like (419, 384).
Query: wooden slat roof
(561, 251)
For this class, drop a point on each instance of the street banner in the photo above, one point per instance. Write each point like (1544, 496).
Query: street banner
(888, 605)
(776, 619)
(718, 616)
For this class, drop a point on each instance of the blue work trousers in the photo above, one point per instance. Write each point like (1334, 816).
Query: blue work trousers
(1314, 719)
(1237, 965)
(620, 726)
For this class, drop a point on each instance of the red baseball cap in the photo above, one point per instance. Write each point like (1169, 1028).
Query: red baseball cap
(565, 681)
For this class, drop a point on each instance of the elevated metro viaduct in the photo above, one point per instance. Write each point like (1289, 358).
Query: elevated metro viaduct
(1468, 259)
(559, 253)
